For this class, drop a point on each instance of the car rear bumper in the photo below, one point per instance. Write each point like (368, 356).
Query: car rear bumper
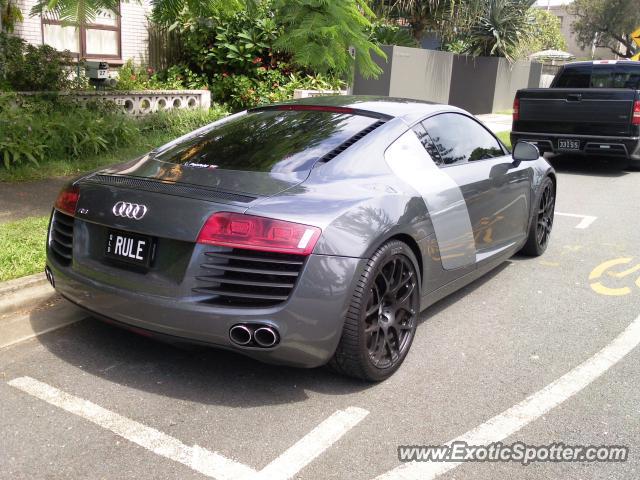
(309, 323)
(626, 147)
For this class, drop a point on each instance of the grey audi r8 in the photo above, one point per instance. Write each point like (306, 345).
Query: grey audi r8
(302, 233)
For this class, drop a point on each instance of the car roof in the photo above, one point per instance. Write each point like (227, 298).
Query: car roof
(384, 106)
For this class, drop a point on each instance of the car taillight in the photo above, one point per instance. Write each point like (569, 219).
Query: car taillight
(237, 230)
(635, 119)
(67, 200)
(516, 109)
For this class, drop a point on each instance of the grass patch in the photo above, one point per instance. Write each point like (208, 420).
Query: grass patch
(505, 138)
(23, 247)
(66, 167)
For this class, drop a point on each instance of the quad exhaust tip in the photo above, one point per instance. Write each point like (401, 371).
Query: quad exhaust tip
(262, 336)
(265, 337)
(240, 334)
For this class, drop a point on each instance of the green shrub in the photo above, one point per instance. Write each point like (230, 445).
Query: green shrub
(268, 86)
(176, 77)
(27, 67)
(233, 45)
(181, 121)
(41, 129)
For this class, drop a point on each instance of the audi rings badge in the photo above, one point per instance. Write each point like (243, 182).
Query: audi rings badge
(130, 210)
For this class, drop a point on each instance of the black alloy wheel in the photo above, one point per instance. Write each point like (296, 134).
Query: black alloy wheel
(391, 314)
(383, 315)
(545, 216)
(542, 222)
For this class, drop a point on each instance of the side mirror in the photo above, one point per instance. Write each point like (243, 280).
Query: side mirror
(525, 152)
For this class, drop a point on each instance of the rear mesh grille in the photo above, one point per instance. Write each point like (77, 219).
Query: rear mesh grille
(169, 188)
(344, 145)
(247, 278)
(62, 237)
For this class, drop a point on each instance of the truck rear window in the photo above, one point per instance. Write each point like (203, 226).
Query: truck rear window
(599, 76)
(278, 141)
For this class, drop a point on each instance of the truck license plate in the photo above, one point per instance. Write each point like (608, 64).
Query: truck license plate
(568, 144)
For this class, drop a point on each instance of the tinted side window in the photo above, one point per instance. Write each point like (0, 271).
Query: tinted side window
(460, 139)
(574, 77)
(424, 138)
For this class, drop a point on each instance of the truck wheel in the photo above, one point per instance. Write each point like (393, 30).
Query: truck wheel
(542, 222)
(382, 318)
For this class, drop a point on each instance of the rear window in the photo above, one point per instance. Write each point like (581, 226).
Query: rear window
(279, 141)
(574, 77)
(600, 76)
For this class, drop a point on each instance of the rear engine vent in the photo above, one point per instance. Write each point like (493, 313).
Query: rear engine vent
(247, 278)
(346, 144)
(189, 191)
(62, 238)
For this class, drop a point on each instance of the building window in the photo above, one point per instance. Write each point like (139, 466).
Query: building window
(100, 39)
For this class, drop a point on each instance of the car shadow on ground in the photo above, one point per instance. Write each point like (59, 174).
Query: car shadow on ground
(589, 166)
(200, 374)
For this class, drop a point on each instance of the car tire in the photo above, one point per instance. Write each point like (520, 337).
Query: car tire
(383, 315)
(542, 220)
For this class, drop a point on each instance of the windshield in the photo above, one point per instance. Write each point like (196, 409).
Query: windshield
(275, 141)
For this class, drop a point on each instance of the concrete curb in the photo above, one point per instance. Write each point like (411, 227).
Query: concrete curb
(29, 307)
(19, 328)
(24, 292)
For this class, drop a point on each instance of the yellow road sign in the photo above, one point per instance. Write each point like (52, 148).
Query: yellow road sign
(635, 36)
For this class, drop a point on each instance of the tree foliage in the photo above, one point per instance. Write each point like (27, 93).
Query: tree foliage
(500, 27)
(544, 34)
(318, 34)
(10, 14)
(607, 23)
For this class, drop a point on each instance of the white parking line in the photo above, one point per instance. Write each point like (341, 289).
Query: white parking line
(584, 223)
(211, 464)
(531, 408)
(313, 444)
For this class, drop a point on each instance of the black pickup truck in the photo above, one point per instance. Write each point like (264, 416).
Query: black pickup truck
(591, 108)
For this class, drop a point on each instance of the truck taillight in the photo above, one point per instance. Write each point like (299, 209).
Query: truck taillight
(635, 119)
(238, 230)
(516, 109)
(67, 200)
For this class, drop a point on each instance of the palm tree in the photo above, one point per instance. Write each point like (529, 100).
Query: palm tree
(499, 28)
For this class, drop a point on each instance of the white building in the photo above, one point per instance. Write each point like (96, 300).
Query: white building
(114, 37)
(560, 9)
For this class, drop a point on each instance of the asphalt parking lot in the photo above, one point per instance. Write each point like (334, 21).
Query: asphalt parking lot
(159, 411)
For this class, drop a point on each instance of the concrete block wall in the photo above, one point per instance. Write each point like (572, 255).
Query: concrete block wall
(477, 84)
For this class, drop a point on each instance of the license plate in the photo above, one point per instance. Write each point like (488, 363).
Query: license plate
(129, 247)
(568, 144)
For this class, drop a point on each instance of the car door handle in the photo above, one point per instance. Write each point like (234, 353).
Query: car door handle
(574, 97)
